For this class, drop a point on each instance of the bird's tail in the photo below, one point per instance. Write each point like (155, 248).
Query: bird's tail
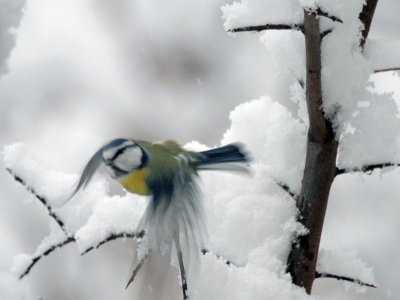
(231, 157)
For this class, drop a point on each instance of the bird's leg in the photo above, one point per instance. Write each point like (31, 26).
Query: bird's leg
(181, 268)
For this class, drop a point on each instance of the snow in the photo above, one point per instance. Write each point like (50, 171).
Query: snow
(383, 53)
(113, 215)
(251, 219)
(277, 139)
(11, 287)
(20, 263)
(10, 16)
(261, 12)
(346, 263)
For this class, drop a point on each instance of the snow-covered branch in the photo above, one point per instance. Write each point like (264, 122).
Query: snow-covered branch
(218, 256)
(41, 198)
(368, 169)
(287, 189)
(387, 70)
(297, 26)
(46, 252)
(345, 278)
(259, 28)
(325, 33)
(28, 262)
(114, 236)
(68, 238)
(322, 13)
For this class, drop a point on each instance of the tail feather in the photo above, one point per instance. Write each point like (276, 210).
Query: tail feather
(232, 153)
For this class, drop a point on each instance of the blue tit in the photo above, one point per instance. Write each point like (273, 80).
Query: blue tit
(168, 173)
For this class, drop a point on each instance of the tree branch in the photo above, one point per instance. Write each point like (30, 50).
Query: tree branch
(387, 70)
(319, 169)
(366, 16)
(42, 199)
(259, 28)
(366, 168)
(287, 189)
(115, 236)
(325, 33)
(322, 13)
(49, 250)
(356, 281)
(228, 262)
(299, 27)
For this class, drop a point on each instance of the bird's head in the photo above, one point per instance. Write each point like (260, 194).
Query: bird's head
(120, 157)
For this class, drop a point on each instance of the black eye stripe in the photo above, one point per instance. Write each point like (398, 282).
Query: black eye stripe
(120, 151)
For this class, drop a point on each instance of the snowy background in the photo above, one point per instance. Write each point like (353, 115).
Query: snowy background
(85, 71)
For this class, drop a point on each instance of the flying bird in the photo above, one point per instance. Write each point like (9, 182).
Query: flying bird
(167, 173)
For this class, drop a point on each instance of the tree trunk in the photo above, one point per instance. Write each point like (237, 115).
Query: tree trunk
(320, 165)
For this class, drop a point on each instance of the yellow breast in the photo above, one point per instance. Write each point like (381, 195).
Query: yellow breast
(135, 182)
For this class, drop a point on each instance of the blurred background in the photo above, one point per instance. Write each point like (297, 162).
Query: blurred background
(85, 71)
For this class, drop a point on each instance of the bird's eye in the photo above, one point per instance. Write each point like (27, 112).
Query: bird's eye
(110, 154)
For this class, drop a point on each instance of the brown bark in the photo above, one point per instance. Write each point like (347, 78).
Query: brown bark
(366, 16)
(320, 167)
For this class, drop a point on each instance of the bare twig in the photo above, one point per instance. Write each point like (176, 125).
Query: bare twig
(387, 70)
(356, 281)
(325, 33)
(287, 189)
(366, 16)
(49, 250)
(322, 13)
(227, 261)
(259, 28)
(299, 27)
(115, 236)
(366, 168)
(42, 199)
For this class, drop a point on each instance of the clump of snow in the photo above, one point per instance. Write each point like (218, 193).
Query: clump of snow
(112, 215)
(55, 185)
(286, 48)
(261, 12)
(276, 139)
(357, 148)
(55, 237)
(236, 283)
(310, 4)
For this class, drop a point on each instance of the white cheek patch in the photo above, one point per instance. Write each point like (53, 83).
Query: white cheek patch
(111, 171)
(130, 159)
